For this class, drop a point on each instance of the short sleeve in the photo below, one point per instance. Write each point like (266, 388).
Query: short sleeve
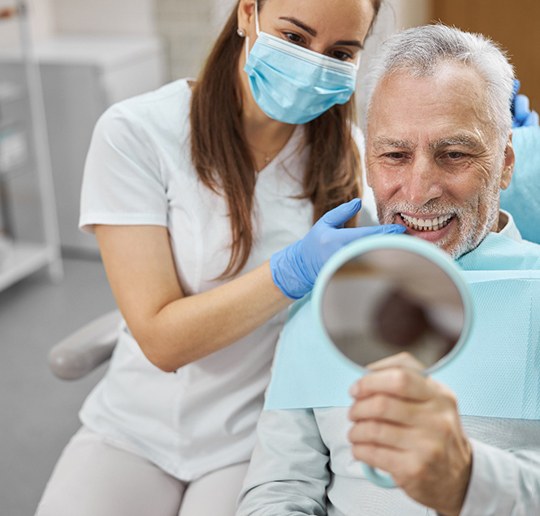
(122, 184)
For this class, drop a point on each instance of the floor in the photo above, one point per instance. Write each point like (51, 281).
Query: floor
(38, 413)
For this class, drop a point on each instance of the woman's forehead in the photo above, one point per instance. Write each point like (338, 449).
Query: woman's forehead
(343, 17)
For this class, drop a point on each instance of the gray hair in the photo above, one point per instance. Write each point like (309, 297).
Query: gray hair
(420, 50)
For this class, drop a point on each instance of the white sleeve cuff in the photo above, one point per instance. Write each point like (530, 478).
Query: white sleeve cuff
(494, 482)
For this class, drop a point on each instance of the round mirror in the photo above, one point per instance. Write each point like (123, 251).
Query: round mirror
(385, 295)
(392, 294)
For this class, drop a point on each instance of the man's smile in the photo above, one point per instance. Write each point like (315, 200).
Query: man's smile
(428, 227)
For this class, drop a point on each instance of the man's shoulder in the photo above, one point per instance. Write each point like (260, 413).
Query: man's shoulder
(499, 252)
(524, 254)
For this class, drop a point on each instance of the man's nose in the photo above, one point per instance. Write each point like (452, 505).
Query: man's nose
(424, 181)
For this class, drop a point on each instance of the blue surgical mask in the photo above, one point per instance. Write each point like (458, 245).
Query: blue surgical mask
(295, 85)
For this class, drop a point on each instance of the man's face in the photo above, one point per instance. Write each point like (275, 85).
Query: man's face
(433, 157)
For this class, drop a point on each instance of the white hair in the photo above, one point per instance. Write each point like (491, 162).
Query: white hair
(420, 50)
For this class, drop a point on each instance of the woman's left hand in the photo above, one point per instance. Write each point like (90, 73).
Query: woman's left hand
(408, 425)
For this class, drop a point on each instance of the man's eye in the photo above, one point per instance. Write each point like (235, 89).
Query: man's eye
(395, 155)
(455, 155)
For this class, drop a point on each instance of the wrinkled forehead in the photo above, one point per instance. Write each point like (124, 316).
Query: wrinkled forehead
(448, 103)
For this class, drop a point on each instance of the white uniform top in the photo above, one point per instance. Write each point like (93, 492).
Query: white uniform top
(139, 171)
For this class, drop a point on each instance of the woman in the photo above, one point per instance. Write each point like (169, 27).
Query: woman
(190, 190)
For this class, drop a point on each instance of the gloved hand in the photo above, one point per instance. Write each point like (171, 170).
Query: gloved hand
(295, 268)
(522, 116)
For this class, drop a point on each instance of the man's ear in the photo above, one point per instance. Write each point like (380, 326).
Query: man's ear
(246, 16)
(508, 164)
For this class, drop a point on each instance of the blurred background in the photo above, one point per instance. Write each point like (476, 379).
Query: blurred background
(62, 63)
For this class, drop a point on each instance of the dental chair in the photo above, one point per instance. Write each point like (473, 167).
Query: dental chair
(83, 351)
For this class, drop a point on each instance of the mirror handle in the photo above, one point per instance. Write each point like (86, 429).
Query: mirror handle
(378, 477)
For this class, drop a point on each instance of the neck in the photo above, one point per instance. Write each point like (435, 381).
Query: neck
(501, 222)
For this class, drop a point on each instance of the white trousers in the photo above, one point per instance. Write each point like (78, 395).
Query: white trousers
(93, 478)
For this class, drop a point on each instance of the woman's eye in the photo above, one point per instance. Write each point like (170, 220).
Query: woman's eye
(294, 38)
(342, 56)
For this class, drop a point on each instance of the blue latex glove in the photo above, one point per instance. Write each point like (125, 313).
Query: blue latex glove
(295, 268)
(522, 116)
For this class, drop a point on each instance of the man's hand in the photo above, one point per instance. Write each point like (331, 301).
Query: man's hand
(408, 425)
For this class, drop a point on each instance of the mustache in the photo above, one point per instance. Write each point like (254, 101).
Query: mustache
(433, 206)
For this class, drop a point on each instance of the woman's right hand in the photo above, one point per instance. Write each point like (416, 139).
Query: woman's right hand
(295, 268)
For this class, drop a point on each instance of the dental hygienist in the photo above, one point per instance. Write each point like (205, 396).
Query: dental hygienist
(201, 195)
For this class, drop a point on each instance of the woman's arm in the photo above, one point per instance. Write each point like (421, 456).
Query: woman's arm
(172, 329)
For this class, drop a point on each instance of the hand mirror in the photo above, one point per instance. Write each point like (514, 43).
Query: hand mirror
(384, 295)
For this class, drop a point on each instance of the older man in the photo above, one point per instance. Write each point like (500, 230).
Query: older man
(438, 151)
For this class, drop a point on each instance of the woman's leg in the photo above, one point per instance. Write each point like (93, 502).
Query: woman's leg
(215, 493)
(93, 478)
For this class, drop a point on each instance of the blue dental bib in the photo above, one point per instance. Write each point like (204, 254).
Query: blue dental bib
(497, 372)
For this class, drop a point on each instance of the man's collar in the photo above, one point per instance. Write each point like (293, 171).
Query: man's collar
(510, 229)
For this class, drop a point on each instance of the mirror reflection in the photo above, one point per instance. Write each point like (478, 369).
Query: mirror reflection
(387, 301)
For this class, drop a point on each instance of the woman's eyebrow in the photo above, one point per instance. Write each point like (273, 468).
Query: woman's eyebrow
(350, 43)
(313, 32)
(300, 24)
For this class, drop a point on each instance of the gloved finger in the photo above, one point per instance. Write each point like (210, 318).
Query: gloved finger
(342, 213)
(348, 235)
(517, 85)
(531, 120)
(521, 108)
(392, 228)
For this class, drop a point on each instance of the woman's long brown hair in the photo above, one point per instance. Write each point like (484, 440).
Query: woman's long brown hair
(225, 163)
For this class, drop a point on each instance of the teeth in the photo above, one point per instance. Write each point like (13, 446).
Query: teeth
(426, 224)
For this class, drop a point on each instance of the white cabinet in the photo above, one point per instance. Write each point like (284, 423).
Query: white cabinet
(25, 171)
(81, 77)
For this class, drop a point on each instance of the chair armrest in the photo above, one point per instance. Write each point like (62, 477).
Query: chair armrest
(84, 350)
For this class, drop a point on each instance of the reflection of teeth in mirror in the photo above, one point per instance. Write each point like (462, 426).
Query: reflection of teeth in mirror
(427, 224)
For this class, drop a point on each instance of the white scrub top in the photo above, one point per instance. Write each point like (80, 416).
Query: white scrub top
(139, 171)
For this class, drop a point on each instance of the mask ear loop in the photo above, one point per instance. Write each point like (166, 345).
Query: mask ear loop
(257, 28)
(356, 62)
